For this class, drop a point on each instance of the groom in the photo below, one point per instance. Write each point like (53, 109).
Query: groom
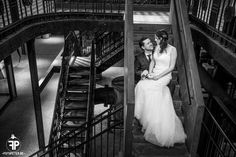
(143, 59)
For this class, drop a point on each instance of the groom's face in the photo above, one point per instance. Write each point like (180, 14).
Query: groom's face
(147, 45)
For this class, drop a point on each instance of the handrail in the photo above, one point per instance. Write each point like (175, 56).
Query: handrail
(189, 54)
(91, 95)
(34, 26)
(64, 70)
(106, 48)
(51, 17)
(215, 18)
(217, 131)
(37, 7)
(45, 14)
(76, 132)
(195, 105)
(213, 32)
(230, 115)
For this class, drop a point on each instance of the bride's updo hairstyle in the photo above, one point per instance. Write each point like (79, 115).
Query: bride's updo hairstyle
(163, 35)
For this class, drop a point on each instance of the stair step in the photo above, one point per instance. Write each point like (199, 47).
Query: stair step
(88, 59)
(75, 105)
(65, 127)
(78, 82)
(172, 86)
(176, 94)
(76, 153)
(74, 114)
(75, 123)
(76, 95)
(178, 104)
(175, 74)
(82, 79)
(83, 74)
(71, 130)
(150, 150)
(74, 141)
(76, 99)
(75, 69)
(66, 110)
(71, 144)
(81, 63)
(78, 89)
(79, 74)
(138, 136)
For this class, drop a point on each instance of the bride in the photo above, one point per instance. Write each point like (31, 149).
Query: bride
(153, 103)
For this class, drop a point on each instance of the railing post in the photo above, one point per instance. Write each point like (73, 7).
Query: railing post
(197, 49)
(90, 106)
(14, 10)
(36, 92)
(129, 79)
(10, 77)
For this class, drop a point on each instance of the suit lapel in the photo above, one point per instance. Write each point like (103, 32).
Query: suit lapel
(144, 58)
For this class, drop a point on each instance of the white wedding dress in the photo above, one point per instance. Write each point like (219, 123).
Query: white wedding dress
(154, 107)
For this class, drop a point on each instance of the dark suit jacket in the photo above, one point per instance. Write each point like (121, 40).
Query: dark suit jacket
(141, 63)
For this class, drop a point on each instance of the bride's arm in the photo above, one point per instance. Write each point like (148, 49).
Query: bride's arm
(152, 63)
(173, 56)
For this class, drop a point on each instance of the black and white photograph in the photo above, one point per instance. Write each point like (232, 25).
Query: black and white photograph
(117, 78)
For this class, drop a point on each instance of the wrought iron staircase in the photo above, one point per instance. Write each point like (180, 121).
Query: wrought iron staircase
(74, 105)
(98, 136)
(106, 139)
(109, 50)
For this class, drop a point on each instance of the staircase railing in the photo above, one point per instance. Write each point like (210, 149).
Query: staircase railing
(100, 132)
(106, 138)
(27, 8)
(16, 10)
(190, 90)
(217, 20)
(68, 52)
(108, 44)
(218, 130)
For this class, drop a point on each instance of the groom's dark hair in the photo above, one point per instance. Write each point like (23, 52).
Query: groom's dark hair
(141, 41)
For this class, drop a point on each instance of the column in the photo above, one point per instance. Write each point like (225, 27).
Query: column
(36, 91)
(10, 77)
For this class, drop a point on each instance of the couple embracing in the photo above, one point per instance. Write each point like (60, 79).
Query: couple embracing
(153, 102)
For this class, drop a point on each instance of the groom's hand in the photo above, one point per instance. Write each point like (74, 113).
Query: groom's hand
(144, 73)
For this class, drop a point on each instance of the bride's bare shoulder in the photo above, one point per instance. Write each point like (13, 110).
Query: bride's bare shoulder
(171, 47)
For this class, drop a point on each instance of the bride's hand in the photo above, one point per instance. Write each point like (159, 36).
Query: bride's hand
(150, 76)
(156, 77)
